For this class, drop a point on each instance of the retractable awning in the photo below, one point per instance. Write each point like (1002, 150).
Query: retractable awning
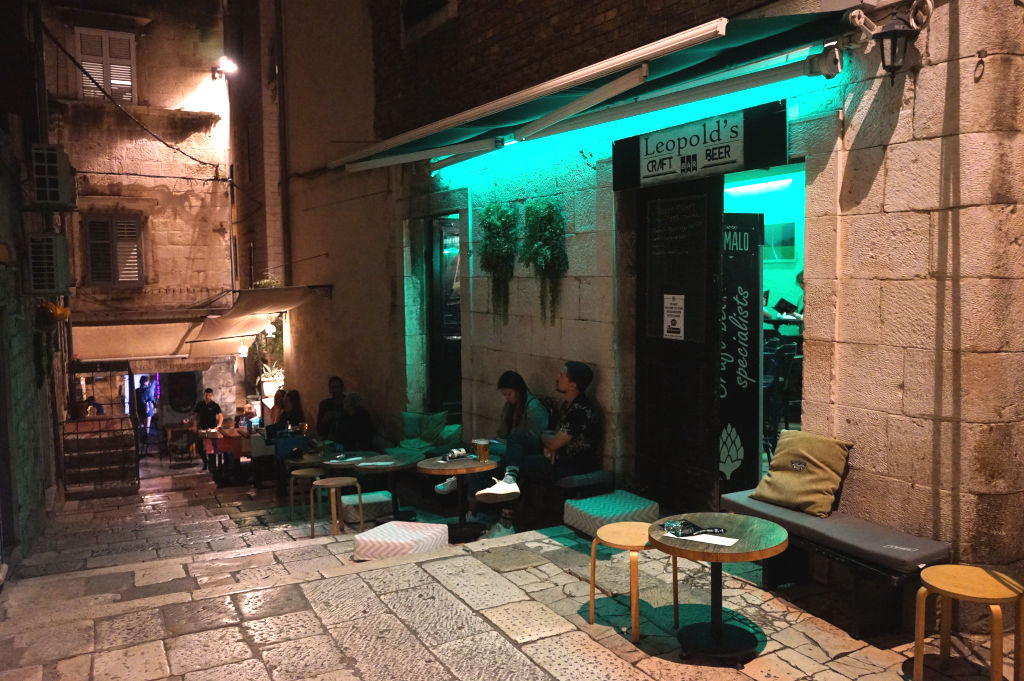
(131, 341)
(252, 310)
(645, 73)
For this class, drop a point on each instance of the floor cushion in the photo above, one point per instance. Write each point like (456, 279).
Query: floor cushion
(586, 515)
(399, 538)
(375, 505)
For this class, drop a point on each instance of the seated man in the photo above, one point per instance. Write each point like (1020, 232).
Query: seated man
(570, 450)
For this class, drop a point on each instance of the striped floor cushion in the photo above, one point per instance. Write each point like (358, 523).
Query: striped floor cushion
(399, 538)
(586, 515)
(375, 504)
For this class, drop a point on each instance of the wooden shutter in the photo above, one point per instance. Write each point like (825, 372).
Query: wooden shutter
(101, 255)
(90, 54)
(129, 252)
(109, 57)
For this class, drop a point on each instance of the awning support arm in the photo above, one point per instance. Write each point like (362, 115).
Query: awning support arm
(629, 81)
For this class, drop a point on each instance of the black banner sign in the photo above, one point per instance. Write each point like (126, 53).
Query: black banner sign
(739, 383)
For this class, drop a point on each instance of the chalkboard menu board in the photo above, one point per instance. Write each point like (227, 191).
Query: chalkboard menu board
(739, 382)
(676, 250)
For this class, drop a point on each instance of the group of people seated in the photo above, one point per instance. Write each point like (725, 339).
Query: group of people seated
(529, 449)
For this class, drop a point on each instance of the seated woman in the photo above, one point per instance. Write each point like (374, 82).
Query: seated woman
(292, 413)
(522, 416)
(278, 407)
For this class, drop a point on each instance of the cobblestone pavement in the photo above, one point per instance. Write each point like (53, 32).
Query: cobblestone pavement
(189, 582)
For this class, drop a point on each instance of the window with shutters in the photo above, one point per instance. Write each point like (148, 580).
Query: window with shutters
(109, 57)
(114, 250)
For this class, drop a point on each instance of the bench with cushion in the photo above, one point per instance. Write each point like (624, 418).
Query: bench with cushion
(885, 562)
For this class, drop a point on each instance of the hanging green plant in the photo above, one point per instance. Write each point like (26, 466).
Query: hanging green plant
(498, 249)
(544, 250)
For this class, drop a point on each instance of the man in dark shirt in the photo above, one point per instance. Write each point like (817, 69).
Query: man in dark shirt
(570, 450)
(208, 415)
(331, 416)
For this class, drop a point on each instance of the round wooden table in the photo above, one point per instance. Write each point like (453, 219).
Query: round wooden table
(978, 585)
(757, 539)
(462, 531)
(389, 464)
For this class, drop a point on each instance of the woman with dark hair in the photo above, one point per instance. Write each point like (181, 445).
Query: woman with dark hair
(522, 416)
(522, 412)
(277, 408)
(293, 413)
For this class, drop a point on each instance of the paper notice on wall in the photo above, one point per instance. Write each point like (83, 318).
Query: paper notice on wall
(673, 309)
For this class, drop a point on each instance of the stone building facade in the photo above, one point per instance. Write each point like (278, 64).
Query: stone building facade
(911, 242)
(150, 245)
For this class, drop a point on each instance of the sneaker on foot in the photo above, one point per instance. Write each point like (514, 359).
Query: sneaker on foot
(506, 489)
(448, 486)
(499, 530)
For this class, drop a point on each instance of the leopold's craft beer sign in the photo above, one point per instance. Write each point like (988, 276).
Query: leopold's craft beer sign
(708, 147)
(751, 138)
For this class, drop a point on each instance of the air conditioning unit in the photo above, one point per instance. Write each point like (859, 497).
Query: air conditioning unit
(47, 264)
(53, 178)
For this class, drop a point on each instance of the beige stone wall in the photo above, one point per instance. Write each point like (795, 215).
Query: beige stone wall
(915, 284)
(344, 228)
(121, 168)
(584, 328)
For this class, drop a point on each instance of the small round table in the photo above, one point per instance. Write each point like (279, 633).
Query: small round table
(628, 536)
(757, 539)
(978, 585)
(461, 531)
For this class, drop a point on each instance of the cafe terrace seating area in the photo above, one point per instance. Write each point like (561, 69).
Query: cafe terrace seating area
(190, 580)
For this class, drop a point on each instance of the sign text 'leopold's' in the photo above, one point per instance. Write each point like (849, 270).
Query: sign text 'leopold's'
(707, 147)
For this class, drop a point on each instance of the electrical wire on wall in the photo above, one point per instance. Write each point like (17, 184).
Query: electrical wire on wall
(108, 96)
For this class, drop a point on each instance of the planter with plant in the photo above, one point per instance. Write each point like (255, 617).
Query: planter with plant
(498, 248)
(544, 251)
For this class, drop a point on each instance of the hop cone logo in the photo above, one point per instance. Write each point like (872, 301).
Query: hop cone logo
(730, 451)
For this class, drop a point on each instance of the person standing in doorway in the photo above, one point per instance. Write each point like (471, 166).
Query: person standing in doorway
(208, 416)
(146, 405)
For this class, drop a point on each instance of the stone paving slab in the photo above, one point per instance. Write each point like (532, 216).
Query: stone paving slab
(143, 662)
(384, 649)
(489, 656)
(474, 582)
(434, 614)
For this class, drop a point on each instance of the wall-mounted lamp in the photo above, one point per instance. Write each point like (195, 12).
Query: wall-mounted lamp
(224, 67)
(270, 330)
(895, 35)
(243, 349)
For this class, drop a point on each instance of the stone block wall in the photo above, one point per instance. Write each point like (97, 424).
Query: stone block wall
(915, 285)
(584, 327)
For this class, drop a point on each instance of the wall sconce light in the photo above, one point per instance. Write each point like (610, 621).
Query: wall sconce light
(895, 35)
(224, 67)
(270, 330)
(243, 349)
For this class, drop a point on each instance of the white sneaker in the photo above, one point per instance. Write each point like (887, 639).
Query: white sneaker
(499, 530)
(502, 490)
(448, 486)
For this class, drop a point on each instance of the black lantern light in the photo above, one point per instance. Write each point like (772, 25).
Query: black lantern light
(892, 39)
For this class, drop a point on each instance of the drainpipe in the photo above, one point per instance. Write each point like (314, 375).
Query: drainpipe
(282, 130)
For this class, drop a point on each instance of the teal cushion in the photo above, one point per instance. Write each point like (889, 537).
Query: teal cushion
(431, 426)
(451, 435)
(416, 444)
(411, 424)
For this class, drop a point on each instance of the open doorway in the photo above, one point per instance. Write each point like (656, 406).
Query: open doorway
(777, 194)
(444, 334)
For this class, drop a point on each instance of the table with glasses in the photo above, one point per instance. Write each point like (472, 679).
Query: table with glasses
(461, 531)
(757, 539)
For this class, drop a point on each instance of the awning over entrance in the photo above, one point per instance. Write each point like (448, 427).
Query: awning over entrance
(727, 44)
(131, 341)
(247, 317)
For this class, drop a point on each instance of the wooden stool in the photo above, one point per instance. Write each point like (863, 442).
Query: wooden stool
(978, 585)
(630, 537)
(305, 473)
(333, 487)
